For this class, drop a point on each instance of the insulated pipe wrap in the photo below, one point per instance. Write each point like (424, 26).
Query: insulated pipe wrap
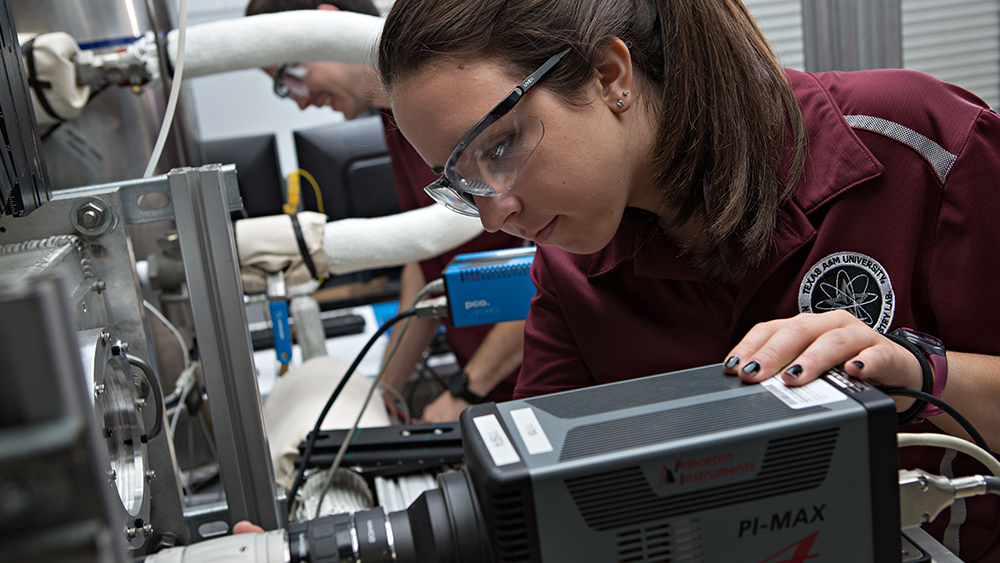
(361, 244)
(270, 39)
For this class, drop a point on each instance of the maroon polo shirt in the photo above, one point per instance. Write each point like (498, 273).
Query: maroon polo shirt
(411, 174)
(897, 220)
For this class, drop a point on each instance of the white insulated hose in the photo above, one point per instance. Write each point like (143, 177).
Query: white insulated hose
(271, 39)
(352, 245)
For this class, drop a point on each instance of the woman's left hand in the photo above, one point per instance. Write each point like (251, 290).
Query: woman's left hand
(807, 345)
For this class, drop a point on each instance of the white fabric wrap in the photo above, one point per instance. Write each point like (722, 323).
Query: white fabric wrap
(292, 407)
(267, 244)
(54, 54)
(352, 245)
(271, 39)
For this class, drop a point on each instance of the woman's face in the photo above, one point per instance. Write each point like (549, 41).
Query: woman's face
(573, 189)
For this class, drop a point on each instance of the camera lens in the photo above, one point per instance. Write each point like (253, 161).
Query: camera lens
(442, 525)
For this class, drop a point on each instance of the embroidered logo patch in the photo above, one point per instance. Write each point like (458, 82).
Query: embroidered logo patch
(853, 282)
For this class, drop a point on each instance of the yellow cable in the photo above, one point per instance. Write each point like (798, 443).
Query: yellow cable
(294, 191)
(315, 186)
(293, 194)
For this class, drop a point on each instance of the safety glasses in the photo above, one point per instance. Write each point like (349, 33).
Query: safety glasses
(290, 81)
(488, 160)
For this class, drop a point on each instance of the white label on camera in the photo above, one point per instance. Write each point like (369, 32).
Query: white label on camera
(532, 435)
(819, 392)
(497, 443)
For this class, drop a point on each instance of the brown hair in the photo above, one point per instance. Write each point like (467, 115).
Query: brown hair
(725, 107)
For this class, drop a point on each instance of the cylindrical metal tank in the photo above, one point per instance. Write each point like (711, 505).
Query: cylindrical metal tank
(113, 140)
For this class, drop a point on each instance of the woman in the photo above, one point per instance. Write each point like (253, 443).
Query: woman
(695, 203)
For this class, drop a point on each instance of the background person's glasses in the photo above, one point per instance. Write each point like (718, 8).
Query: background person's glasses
(290, 81)
(488, 160)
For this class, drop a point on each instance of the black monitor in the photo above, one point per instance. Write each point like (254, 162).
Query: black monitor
(257, 171)
(351, 165)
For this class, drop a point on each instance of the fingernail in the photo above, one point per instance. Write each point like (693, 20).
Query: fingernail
(794, 370)
(859, 363)
(751, 368)
(732, 361)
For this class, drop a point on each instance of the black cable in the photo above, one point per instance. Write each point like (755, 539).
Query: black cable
(992, 484)
(927, 397)
(154, 385)
(333, 397)
(927, 375)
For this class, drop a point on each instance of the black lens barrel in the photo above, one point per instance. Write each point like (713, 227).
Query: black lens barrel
(443, 525)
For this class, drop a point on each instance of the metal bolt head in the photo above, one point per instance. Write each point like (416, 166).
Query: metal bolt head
(112, 475)
(131, 532)
(90, 215)
(150, 475)
(99, 390)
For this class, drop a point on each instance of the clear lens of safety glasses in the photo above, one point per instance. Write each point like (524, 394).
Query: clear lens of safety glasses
(490, 164)
(290, 81)
(441, 192)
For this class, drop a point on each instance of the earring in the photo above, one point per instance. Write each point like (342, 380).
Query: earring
(625, 93)
(621, 103)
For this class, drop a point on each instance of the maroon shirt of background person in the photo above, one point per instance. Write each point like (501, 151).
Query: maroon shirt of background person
(411, 174)
(896, 219)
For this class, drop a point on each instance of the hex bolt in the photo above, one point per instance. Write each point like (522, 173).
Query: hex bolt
(131, 532)
(147, 528)
(90, 216)
(150, 475)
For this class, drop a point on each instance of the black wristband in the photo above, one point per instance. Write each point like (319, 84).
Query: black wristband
(927, 386)
(459, 387)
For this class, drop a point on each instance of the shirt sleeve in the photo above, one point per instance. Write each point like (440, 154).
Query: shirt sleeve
(964, 279)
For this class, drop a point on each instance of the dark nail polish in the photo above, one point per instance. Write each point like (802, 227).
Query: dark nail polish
(859, 363)
(794, 370)
(751, 368)
(732, 362)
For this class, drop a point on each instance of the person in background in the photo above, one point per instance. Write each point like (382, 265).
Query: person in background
(488, 355)
(695, 203)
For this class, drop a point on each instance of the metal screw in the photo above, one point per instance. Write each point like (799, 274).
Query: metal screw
(131, 532)
(90, 215)
(112, 475)
(105, 337)
(148, 528)
(101, 286)
(405, 433)
(140, 403)
(98, 390)
(438, 432)
(124, 347)
(150, 475)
